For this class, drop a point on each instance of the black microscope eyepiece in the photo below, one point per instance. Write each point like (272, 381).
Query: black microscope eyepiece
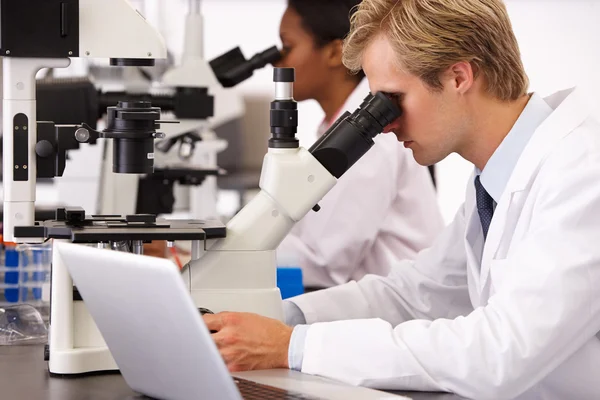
(351, 135)
(284, 110)
(232, 67)
(377, 111)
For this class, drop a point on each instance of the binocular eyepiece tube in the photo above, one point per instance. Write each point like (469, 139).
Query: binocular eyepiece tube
(351, 135)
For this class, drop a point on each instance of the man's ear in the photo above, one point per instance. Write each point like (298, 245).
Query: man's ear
(333, 53)
(460, 76)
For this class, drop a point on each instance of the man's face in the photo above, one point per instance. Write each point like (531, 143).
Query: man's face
(431, 124)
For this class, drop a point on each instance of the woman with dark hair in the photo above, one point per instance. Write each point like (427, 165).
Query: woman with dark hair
(384, 208)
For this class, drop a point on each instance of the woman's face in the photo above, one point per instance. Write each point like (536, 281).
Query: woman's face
(301, 53)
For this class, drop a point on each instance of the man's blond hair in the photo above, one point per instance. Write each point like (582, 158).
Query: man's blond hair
(428, 36)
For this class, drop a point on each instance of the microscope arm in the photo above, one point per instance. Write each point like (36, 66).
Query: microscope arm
(292, 182)
(19, 138)
(238, 272)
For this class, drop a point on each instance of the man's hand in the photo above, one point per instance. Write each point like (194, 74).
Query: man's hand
(250, 341)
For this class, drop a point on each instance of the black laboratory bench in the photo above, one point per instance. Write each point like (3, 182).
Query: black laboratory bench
(24, 375)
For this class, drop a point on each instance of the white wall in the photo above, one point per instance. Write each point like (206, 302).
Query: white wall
(558, 40)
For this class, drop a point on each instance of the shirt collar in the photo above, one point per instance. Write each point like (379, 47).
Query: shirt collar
(501, 164)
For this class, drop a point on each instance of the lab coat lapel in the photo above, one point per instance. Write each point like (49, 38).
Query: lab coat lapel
(569, 113)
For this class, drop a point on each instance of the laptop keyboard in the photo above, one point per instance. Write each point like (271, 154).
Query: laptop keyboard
(255, 391)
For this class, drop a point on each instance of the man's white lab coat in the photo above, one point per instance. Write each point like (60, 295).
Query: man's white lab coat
(523, 323)
(382, 210)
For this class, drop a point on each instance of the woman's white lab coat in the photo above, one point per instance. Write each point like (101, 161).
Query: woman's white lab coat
(524, 324)
(381, 210)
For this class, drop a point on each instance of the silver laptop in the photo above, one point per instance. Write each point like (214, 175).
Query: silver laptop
(152, 327)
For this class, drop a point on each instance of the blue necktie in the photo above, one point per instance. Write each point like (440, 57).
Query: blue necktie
(485, 206)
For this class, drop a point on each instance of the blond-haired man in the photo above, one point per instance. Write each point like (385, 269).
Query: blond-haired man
(505, 303)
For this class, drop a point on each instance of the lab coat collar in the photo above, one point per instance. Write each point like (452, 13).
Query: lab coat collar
(501, 164)
(569, 112)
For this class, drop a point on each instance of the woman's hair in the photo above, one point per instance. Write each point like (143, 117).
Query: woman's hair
(326, 20)
(428, 36)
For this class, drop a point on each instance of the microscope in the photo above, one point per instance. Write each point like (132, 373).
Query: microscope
(199, 138)
(193, 142)
(197, 93)
(56, 30)
(238, 272)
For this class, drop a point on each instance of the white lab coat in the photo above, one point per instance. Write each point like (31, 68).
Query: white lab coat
(523, 324)
(382, 210)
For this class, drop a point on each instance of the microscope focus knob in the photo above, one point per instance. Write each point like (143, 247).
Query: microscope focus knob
(44, 149)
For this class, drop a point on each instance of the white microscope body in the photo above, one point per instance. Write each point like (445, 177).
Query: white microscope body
(62, 29)
(127, 36)
(238, 272)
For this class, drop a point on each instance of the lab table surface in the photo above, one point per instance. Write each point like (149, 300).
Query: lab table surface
(24, 375)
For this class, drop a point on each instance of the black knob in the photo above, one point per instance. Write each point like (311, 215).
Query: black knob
(46, 353)
(44, 149)
(283, 74)
(316, 208)
(203, 311)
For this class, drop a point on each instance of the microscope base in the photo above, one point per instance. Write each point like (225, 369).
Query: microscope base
(89, 352)
(82, 360)
(241, 281)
